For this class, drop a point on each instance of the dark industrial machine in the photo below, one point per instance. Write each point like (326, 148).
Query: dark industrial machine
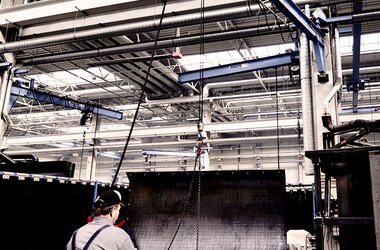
(356, 171)
(30, 164)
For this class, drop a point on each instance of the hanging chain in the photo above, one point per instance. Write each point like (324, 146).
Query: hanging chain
(200, 142)
(198, 205)
(187, 202)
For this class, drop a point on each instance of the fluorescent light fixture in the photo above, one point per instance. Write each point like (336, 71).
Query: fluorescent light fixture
(169, 153)
(110, 154)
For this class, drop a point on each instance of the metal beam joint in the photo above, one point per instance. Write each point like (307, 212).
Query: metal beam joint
(311, 30)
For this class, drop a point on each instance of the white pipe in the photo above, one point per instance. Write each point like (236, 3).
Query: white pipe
(364, 70)
(206, 89)
(339, 77)
(209, 86)
(136, 146)
(175, 100)
(307, 99)
(87, 92)
(250, 156)
(262, 94)
(329, 97)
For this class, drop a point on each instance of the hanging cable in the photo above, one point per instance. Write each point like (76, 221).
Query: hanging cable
(141, 95)
(278, 126)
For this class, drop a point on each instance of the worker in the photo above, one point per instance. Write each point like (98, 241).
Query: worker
(121, 223)
(101, 232)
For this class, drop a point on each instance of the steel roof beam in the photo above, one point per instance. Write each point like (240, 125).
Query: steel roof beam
(64, 102)
(240, 67)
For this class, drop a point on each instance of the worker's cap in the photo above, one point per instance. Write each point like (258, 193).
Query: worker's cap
(108, 198)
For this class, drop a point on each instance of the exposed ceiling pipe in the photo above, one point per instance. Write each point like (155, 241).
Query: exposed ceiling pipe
(97, 91)
(162, 44)
(364, 70)
(146, 26)
(170, 43)
(253, 156)
(209, 86)
(366, 17)
(137, 146)
(118, 30)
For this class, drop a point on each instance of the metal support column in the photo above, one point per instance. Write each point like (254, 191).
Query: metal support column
(5, 92)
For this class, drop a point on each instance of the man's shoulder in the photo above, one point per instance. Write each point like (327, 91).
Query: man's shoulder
(116, 230)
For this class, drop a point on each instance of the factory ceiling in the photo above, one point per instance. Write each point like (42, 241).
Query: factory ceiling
(99, 52)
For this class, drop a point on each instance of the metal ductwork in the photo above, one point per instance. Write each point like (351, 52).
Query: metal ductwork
(307, 101)
(215, 85)
(167, 22)
(146, 26)
(136, 148)
(170, 43)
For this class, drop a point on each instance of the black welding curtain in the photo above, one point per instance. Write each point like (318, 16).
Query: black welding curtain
(239, 210)
(36, 214)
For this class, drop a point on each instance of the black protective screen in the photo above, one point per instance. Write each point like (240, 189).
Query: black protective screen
(39, 215)
(239, 210)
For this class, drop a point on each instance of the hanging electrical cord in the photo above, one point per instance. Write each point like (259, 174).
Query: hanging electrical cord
(278, 126)
(278, 20)
(141, 95)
